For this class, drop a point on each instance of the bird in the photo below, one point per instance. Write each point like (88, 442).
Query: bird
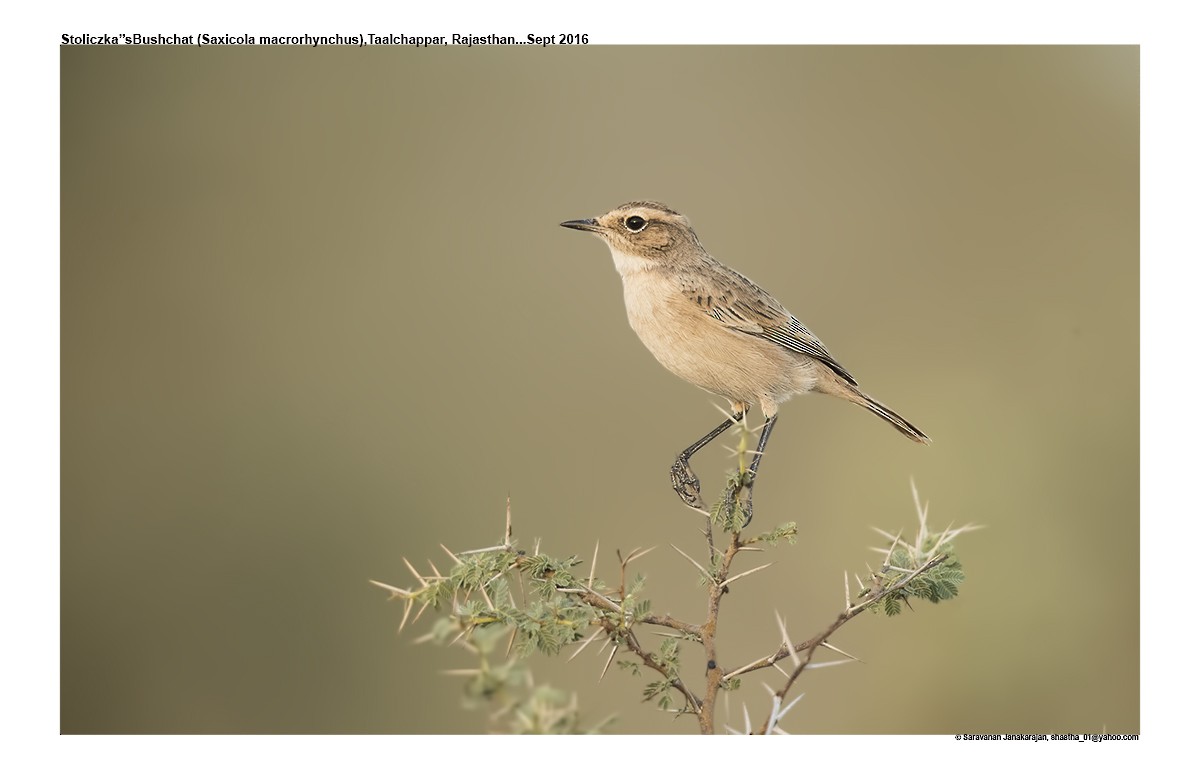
(715, 328)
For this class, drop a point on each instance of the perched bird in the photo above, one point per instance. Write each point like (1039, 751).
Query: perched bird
(710, 325)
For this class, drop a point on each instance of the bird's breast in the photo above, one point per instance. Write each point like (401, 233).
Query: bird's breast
(687, 341)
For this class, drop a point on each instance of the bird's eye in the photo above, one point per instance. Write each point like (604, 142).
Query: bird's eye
(635, 223)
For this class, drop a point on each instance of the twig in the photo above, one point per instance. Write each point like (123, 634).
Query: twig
(631, 643)
(846, 615)
(669, 622)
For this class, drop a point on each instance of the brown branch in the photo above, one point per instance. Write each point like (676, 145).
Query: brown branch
(626, 636)
(708, 635)
(598, 600)
(716, 590)
(669, 622)
(618, 631)
(810, 646)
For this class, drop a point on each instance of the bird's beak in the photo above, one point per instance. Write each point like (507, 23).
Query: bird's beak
(590, 225)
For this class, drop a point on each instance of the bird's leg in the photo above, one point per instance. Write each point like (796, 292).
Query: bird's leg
(748, 506)
(683, 479)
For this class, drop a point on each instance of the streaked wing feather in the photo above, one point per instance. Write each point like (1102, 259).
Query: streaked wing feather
(800, 339)
(739, 303)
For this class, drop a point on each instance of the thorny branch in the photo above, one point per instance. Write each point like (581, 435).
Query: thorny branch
(719, 579)
(878, 592)
(717, 588)
(615, 620)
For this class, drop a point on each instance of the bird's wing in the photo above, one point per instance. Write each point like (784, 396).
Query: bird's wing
(740, 304)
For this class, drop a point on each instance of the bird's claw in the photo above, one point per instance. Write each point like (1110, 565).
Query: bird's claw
(686, 483)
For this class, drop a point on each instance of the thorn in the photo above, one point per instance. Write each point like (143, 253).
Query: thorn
(751, 549)
(511, 640)
(415, 573)
(407, 609)
(941, 538)
(508, 521)
(727, 415)
(610, 660)
(838, 662)
(888, 557)
(494, 548)
(459, 672)
(436, 573)
(787, 641)
(846, 574)
(498, 575)
(703, 570)
(746, 573)
(746, 710)
(843, 652)
(788, 708)
(393, 589)
(461, 634)
(776, 699)
(537, 546)
(779, 669)
(587, 642)
(635, 555)
(420, 612)
(736, 672)
(452, 555)
(778, 730)
(592, 573)
(684, 637)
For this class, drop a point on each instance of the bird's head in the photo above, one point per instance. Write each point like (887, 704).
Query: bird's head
(641, 230)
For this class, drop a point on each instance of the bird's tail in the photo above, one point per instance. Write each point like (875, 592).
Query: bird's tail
(898, 422)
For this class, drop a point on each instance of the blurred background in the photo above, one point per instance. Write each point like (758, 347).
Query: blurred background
(318, 314)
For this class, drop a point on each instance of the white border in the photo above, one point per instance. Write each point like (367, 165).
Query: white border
(29, 308)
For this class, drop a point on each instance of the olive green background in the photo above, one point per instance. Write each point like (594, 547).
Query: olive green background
(317, 314)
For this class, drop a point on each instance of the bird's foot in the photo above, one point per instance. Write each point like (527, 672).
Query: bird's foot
(686, 483)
